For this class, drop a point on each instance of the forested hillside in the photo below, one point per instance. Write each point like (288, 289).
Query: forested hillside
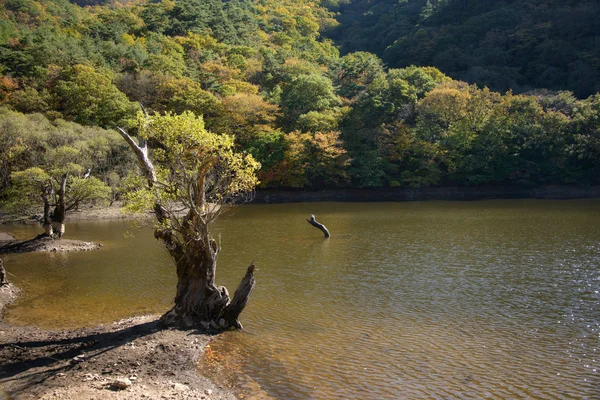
(506, 44)
(262, 72)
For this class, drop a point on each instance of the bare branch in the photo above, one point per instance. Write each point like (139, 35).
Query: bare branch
(141, 151)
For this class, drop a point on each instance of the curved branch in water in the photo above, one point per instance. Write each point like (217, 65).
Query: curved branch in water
(318, 225)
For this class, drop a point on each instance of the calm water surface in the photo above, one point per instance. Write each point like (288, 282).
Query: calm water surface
(493, 299)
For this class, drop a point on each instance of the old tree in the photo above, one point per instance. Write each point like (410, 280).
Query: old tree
(61, 187)
(191, 177)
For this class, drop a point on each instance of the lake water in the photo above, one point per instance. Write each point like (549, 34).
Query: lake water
(423, 300)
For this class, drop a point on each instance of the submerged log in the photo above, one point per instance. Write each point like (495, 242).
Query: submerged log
(318, 225)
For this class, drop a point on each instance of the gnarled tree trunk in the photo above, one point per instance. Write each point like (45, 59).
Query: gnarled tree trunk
(198, 302)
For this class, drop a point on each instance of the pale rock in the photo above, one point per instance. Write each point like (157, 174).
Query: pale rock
(121, 383)
(90, 377)
(77, 359)
(180, 387)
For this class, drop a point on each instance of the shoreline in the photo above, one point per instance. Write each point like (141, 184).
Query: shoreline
(450, 193)
(89, 362)
(367, 195)
(92, 362)
(402, 194)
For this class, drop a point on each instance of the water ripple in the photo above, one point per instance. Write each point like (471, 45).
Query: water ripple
(489, 306)
(429, 300)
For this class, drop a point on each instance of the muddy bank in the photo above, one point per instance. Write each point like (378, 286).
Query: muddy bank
(129, 359)
(45, 244)
(9, 244)
(432, 193)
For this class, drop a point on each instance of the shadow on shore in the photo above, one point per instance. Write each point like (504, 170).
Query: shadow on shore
(41, 355)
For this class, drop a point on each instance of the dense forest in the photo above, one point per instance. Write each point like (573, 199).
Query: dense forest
(519, 45)
(262, 72)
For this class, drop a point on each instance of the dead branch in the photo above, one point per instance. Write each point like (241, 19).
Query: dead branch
(141, 151)
(318, 225)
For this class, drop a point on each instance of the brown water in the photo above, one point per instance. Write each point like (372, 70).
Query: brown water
(493, 299)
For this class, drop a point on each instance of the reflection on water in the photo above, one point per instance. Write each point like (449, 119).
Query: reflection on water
(493, 299)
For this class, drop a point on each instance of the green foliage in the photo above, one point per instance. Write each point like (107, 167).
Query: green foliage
(187, 155)
(179, 95)
(230, 22)
(411, 161)
(244, 116)
(29, 187)
(304, 94)
(81, 191)
(315, 121)
(260, 75)
(268, 148)
(355, 72)
(37, 150)
(304, 160)
(325, 160)
(24, 195)
(89, 97)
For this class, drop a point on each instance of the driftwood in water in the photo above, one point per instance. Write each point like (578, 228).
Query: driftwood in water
(318, 225)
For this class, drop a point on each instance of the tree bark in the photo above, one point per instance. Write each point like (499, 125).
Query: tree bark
(318, 225)
(240, 299)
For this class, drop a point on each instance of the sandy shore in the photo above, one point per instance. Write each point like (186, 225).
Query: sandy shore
(112, 212)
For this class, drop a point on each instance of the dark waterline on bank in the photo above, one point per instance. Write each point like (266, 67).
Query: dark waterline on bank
(453, 193)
